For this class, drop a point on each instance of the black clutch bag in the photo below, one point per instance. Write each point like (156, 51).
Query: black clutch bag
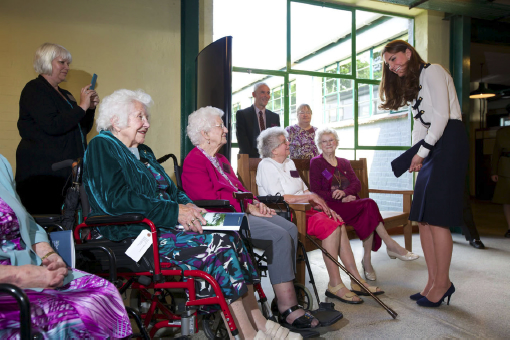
(402, 163)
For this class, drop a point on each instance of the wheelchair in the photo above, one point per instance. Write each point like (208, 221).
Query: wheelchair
(157, 300)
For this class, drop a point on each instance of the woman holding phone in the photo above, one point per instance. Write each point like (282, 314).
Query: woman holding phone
(53, 127)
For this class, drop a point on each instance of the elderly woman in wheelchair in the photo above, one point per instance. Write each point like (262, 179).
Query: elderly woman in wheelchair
(121, 175)
(65, 303)
(277, 174)
(208, 175)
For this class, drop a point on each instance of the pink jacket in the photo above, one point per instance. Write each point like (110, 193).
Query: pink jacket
(201, 180)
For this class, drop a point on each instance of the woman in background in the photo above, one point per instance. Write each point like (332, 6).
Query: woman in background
(53, 127)
(302, 135)
(441, 161)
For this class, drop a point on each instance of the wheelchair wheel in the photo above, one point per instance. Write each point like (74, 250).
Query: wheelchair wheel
(214, 326)
(303, 295)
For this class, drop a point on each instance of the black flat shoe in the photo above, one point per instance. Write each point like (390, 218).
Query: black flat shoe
(507, 234)
(476, 244)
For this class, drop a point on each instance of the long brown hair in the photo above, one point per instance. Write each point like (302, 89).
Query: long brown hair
(394, 91)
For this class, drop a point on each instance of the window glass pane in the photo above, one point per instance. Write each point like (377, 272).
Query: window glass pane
(320, 36)
(251, 23)
(377, 127)
(380, 176)
(242, 89)
(373, 31)
(333, 110)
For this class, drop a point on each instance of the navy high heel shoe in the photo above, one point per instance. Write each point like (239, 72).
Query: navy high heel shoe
(424, 302)
(416, 297)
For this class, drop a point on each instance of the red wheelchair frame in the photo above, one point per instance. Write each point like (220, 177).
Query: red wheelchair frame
(161, 271)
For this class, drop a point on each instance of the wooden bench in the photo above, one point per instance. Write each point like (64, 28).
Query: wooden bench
(247, 173)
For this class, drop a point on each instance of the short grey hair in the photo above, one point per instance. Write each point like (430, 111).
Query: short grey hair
(118, 106)
(45, 55)
(256, 86)
(325, 131)
(304, 106)
(201, 120)
(269, 139)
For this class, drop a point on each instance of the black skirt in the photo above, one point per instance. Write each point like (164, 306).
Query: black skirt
(440, 184)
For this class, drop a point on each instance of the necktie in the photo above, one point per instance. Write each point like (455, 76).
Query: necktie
(261, 122)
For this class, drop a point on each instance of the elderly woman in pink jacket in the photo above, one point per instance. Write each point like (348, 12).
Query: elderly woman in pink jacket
(208, 175)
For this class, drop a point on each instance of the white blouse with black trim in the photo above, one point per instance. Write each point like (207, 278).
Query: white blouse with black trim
(438, 103)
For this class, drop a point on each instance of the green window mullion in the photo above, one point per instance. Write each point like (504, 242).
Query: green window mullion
(355, 109)
(286, 102)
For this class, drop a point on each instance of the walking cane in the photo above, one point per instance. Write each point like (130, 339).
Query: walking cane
(388, 309)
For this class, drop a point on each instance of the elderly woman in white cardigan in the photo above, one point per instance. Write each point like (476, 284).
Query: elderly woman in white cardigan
(277, 174)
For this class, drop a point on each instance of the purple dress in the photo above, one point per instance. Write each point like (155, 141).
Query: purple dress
(302, 142)
(362, 214)
(87, 307)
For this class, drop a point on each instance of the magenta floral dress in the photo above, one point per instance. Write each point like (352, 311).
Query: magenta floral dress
(302, 142)
(87, 307)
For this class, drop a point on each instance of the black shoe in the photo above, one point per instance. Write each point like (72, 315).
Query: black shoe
(477, 244)
(507, 234)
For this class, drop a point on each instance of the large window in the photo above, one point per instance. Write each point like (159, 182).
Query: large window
(325, 55)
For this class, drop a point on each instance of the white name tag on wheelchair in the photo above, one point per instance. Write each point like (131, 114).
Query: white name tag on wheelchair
(140, 245)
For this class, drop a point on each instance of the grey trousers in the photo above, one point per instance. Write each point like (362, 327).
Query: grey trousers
(278, 238)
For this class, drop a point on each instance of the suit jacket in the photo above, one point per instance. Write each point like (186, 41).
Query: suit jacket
(247, 129)
(202, 181)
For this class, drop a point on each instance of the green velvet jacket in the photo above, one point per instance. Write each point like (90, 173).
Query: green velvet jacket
(117, 183)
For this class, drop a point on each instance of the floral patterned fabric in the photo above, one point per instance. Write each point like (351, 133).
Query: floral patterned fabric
(87, 307)
(222, 255)
(302, 142)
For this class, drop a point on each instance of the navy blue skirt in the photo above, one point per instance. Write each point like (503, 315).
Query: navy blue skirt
(440, 184)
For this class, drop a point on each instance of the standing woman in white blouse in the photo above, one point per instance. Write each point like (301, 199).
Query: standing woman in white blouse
(441, 160)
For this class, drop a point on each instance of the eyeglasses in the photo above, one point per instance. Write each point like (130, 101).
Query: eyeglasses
(328, 141)
(284, 142)
(304, 113)
(222, 126)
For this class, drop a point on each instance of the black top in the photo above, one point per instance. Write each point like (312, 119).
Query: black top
(247, 129)
(49, 130)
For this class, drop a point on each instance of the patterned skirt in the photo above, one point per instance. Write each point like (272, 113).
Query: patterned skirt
(222, 255)
(87, 307)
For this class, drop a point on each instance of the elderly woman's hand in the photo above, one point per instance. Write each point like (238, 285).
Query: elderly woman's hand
(319, 204)
(338, 194)
(52, 262)
(348, 199)
(30, 276)
(495, 178)
(190, 217)
(260, 210)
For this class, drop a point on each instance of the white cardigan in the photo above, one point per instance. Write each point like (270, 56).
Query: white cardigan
(438, 104)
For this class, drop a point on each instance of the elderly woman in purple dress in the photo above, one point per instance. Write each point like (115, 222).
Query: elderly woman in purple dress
(65, 303)
(334, 180)
(302, 135)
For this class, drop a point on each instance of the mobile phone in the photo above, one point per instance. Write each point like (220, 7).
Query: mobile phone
(93, 82)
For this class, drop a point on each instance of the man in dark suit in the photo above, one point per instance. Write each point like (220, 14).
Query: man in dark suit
(252, 120)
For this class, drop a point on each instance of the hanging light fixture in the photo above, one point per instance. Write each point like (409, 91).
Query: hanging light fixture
(482, 91)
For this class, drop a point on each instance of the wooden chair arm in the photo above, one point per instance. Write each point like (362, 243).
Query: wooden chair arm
(300, 206)
(398, 192)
